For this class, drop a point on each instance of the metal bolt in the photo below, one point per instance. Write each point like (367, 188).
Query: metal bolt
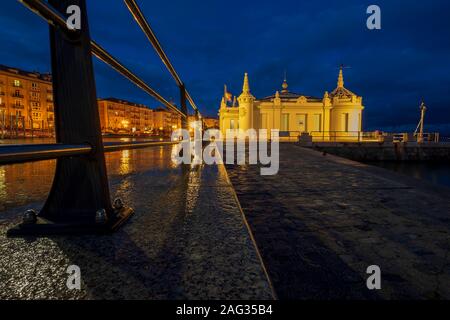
(101, 217)
(118, 204)
(30, 217)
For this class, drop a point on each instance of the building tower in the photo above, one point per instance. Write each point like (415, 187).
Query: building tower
(347, 108)
(246, 100)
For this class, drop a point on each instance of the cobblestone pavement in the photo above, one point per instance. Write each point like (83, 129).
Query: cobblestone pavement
(323, 220)
(187, 240)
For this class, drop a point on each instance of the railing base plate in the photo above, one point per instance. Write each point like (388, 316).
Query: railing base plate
(44, 228)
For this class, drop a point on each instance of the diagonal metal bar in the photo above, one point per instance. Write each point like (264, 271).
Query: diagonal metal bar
(142, 22)
(104, 56)
(145, 27)
(54, 18)
(191, 102)
(44, 10)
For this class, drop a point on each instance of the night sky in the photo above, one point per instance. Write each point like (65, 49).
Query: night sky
(212, 43)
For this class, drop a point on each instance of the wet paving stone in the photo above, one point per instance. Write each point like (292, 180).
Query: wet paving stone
(187, 239)
(322, 221)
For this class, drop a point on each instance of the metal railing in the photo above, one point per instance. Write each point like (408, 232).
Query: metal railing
(53, 17)
(79, 200)
(14, 154)
(374, 136)
(412, 137)
(328, 136)
(345, 136)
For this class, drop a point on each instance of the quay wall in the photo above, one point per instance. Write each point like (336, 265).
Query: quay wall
(387, 151)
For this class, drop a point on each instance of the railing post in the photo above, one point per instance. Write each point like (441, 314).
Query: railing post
(79, 201)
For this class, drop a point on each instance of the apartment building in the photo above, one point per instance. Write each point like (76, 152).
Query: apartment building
(26, 100)
(124, 117)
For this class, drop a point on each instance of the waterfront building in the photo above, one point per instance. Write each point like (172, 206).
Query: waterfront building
(211, 123)
(338, 113)
(208, 122)
(166, 121)
(124, 117)
(26, 100)
(26, 107)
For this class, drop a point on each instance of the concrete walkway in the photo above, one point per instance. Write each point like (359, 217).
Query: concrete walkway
(323, 220)
(187, 240)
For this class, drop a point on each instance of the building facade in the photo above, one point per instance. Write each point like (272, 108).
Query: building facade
(211, 123)
(338, 113)
(166, 121)
(26, 107)
(124, 117)
(26, 100)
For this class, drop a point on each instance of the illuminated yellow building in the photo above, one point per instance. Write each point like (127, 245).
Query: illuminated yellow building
(26, 100)
(211, 123)
(120, 116)
(166, 121)
(338, 112)
(208, 122)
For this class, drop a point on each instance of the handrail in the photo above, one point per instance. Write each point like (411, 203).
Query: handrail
(119, 146)
(14, 154)
(45, 11)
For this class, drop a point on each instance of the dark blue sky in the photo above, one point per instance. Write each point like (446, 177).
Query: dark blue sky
(213, 42)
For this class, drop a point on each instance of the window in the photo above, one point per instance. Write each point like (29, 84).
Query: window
(34, 85)
(285, 122)
(17, 83)
(233, 124)
(263, 121)
(345, 118)
(17, 103)
(317, 124)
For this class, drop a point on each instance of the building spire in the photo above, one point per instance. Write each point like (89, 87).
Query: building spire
(246, 87)
(341, 77)
(285, 85)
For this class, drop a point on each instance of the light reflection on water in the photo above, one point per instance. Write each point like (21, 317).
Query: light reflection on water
(22, 184)
(2, 183)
